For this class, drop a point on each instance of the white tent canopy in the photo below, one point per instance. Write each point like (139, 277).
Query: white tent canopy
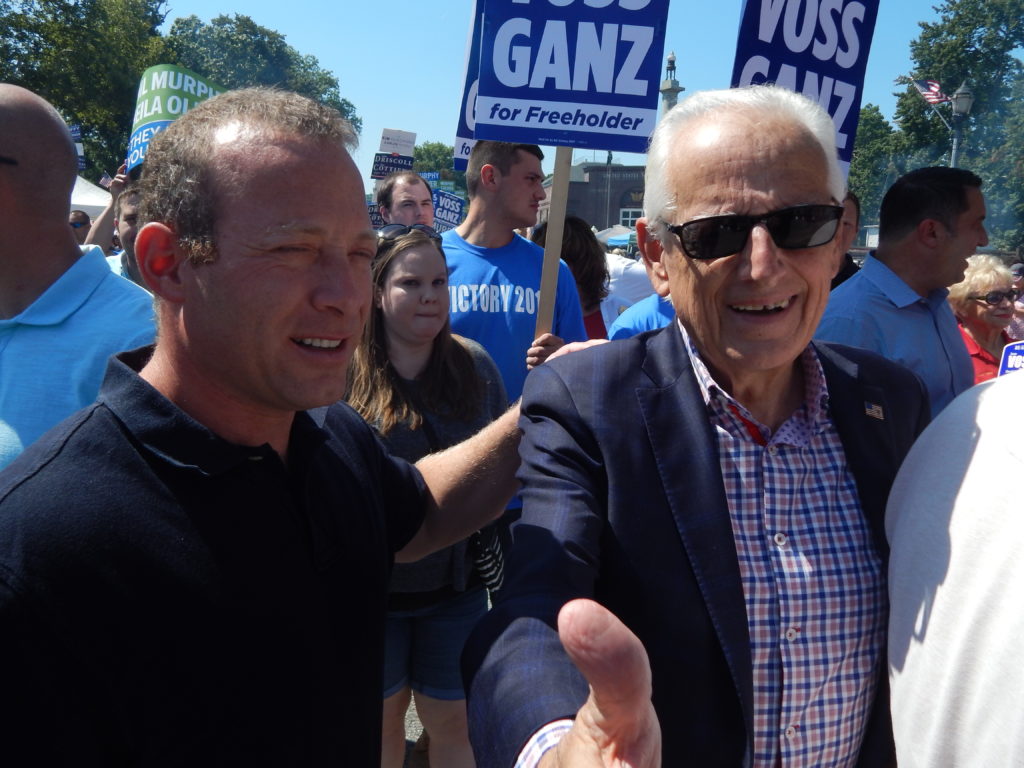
(89, 197)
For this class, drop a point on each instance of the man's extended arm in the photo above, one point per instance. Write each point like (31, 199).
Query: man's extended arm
(103, 225)
(469, 483)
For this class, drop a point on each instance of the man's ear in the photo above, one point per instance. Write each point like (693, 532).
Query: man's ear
(654, 257)
(930, 232)
(489, 176)
(160, 257)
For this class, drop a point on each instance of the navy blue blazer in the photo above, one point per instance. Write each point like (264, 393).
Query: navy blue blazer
(624, 503)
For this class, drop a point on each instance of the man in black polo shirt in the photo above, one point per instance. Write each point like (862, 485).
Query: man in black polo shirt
(192, 572)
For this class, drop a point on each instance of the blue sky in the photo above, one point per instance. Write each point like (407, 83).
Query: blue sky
(400, 62)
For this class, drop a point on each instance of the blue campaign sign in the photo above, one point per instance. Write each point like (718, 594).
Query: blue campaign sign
(447, 210)
(581, 73)
(819, 49)
(1013, 358)
(465, 132)
(384, 164)
(373, 210)
(431, 176)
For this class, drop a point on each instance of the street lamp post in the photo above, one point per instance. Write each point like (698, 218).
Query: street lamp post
(962, 101)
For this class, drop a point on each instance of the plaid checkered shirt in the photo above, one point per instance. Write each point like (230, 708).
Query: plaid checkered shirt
(812, 579)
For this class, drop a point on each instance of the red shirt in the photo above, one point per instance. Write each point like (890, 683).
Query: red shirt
(985, 366)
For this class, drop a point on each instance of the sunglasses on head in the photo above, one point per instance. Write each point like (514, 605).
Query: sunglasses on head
(995, 298)
(391, 231)
(802, 226)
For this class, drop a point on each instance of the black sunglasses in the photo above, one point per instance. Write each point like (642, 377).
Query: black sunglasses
(4, 160)
(391, 231)
(995, 298)
(802, 226)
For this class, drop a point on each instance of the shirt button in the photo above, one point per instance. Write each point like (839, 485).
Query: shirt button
(780, 539)
(791, 732)
(792, 633)
(772, 450)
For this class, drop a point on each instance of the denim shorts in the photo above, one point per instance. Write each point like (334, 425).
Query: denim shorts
(422, 647)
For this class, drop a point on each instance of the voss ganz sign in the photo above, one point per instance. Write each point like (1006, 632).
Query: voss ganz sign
(816, 47)
(583, 73)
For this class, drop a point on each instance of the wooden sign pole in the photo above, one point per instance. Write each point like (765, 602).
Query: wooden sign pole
(553, 240)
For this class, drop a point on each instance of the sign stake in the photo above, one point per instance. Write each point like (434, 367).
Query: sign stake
(553, 240)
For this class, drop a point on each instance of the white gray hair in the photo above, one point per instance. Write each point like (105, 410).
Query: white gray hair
(659, 197)
(985, 272)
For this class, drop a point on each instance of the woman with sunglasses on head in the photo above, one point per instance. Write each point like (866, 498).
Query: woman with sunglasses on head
(423, 389)
(983, 304)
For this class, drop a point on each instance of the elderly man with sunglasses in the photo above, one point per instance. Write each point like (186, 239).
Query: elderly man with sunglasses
(718, 485)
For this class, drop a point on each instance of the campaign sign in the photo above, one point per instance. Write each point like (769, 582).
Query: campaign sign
(376, 221)
(165, 92)
(76, 136)
(397, 142)
(1013, 358)
(385, 164)
(580, 73)
(431, 176)
(819, 49)
(447, 210)
(465, 136)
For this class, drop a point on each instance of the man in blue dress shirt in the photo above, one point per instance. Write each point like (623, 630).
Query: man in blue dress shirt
(931, 220)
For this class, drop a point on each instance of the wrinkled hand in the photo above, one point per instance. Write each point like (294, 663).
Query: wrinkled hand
(541, 349)
(616, 727)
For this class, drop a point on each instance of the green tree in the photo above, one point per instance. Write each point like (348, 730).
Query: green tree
(236, 52)
(871, 168)
(85, 58)
(977, 41)
(437, 156)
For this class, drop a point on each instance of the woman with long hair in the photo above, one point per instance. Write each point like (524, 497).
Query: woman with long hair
(587, 260)
(423, 389)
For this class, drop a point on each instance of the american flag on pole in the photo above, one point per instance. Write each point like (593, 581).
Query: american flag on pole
(931, 90)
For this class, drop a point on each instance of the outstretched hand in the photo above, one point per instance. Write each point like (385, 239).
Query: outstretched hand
(617, 725)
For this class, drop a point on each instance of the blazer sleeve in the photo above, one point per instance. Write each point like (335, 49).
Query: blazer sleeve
(517, 676)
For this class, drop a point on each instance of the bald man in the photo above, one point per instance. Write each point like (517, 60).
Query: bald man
(62, 311)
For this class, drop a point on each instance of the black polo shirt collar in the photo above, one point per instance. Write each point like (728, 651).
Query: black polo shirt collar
(172, 435)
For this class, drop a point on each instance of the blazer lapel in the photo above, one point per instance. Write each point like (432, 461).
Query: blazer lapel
(686, 459)
(865, 418)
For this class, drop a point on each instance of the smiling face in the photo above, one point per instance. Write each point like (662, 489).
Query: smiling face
(983, 318)
(414, 297)
(410, 204)
(752, 313)
(271, 322)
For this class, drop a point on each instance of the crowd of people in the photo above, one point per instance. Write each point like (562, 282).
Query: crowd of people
(271, 476)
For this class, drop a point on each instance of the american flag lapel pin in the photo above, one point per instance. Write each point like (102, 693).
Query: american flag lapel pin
(874, 410)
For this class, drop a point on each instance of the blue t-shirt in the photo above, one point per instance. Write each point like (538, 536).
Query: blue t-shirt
(876, 310)
(646, 315)
(53, 354)
(495, 293)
